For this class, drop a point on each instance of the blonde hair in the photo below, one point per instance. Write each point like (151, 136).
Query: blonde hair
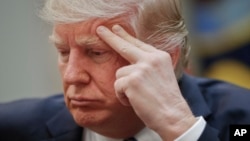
(156, 22)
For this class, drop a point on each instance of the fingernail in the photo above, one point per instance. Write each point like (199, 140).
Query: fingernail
(116, 28)
(100, 29)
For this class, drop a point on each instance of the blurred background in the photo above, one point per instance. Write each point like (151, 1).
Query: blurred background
(27, 59)
(219, 35)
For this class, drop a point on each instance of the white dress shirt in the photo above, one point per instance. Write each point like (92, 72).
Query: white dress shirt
(146, 134)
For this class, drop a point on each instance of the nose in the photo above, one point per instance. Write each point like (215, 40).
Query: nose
(76, 71)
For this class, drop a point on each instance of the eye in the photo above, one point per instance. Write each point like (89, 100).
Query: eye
(96, 53)
(63, 55)
(99, 55)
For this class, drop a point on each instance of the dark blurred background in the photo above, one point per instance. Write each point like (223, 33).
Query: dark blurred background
(220, 37)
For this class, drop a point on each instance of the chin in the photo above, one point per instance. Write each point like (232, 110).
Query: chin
(89, 119)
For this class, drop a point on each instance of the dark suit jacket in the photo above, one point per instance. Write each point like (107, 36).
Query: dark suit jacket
(221, 104)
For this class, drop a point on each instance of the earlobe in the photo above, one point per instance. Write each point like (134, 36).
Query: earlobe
(175, 55)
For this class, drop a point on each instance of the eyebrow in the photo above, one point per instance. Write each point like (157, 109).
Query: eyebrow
(87, 41)
(81, 41)
(56, 39)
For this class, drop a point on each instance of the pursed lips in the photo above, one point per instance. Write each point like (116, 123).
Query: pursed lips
(82, 101)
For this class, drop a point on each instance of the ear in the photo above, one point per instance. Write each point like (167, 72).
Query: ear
(175, 56)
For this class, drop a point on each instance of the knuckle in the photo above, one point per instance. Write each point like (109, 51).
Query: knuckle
(120, 85)
(127, 36)
(144, 68)
(160, 58)
(116, 85)
(123, 49)
(154, 61)
(138, 43)
(135, 79)
(118, 73)
(165, 56)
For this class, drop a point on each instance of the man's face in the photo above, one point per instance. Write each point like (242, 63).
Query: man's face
(88, 66)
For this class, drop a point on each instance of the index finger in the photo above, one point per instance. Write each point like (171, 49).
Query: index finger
(121, 46)
(118, 30)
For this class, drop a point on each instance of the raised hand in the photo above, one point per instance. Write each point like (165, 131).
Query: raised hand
(149, 84)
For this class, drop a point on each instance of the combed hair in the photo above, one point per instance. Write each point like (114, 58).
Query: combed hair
(156, 22)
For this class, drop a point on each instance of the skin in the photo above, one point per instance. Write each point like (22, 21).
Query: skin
(111, 77)
(149, 78)
(88, 74)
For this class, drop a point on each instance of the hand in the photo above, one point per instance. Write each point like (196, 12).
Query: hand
(149, 84)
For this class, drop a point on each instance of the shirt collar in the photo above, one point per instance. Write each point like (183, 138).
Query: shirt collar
(145, 134)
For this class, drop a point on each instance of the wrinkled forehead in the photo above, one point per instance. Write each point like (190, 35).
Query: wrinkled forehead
(80, 31)
(91, 23)
(86, 27)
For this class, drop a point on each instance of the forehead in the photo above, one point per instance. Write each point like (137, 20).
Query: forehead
(86, 27)
(81, 33)
(76, 28)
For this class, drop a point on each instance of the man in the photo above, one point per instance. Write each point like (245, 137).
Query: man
(122, 63)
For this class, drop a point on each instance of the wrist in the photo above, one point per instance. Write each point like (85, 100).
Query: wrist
(171, 131)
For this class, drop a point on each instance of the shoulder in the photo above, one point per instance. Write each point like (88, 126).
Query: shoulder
(27, 107)
(214, 90)
(207, 84)
(227, 101)
(228, 104)
(25, 114)
(223, 91)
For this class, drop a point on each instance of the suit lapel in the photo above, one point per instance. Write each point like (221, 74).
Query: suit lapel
(191, 92)
(63, 128)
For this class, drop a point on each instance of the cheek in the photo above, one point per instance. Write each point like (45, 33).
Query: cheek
(105, 77)
(62, 68)
(109, 71)
(106, 74)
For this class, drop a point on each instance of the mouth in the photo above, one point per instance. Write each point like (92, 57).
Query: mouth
(83, 102)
